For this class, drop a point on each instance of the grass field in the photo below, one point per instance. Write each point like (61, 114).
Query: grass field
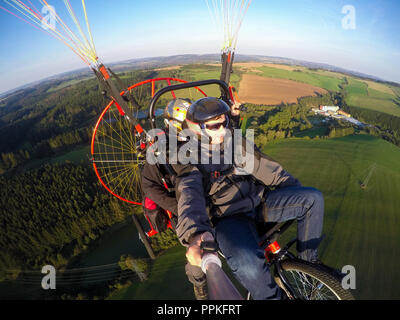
(207, 72)
(396, 91)
(361, 225)
(373, 96)
(119, 239)
(385, 106)
(167, 280)
(356, 87)
(67, 84)
(379, 87)
(77, 155)
(312, 133)
(329, 73)
(309, 77)
(122, 239)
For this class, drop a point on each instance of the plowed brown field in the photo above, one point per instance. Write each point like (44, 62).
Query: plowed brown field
(270, 91)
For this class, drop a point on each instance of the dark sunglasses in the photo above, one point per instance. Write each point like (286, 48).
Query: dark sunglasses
(216, 126)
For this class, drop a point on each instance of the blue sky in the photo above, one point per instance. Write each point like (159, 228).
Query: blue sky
(124, 29)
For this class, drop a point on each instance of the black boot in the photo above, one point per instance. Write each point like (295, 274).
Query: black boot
(201, 292)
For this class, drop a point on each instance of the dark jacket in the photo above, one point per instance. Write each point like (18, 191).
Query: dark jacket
(153, 187)
(154, 179)
(230, 190)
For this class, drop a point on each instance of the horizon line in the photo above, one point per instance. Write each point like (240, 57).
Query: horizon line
(82, 69)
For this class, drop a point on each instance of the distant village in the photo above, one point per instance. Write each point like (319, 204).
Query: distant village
(336, 113)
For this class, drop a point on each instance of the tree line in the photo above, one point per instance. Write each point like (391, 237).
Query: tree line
(285, 120)
(382, 124)
(39, 123)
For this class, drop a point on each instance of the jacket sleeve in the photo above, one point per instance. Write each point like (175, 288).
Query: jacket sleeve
(192, 214)
(153, 188)
(270, 172)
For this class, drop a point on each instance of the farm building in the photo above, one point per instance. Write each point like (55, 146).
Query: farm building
(344, 113)
(329, 108)
(336, 113)
(330, 111)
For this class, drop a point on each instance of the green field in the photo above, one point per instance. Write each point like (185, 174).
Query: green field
(77, 155)
(356, 87)
(312, 133)
(396, 91)
(120, 239)
(167, 280)
(309, 77)
(67, 84)
(361, 225)
(381, 105)
(205, 73)
(208, 72)
(360, 94)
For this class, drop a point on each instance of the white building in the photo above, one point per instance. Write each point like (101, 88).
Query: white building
(329, 108)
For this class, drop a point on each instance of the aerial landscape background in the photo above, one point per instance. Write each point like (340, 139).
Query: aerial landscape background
(288, 67)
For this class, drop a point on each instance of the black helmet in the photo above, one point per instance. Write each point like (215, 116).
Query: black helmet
(206, 109)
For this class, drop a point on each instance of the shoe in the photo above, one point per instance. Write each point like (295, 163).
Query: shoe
(201, 292)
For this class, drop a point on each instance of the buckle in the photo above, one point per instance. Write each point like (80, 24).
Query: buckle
(216, 174)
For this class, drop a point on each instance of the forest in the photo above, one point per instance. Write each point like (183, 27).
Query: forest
(382, 124)
(51, 214)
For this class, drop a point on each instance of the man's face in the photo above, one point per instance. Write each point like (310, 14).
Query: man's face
(216, 129)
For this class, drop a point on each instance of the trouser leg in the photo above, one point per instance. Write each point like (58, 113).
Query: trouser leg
(238, 240)
(307, 206)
